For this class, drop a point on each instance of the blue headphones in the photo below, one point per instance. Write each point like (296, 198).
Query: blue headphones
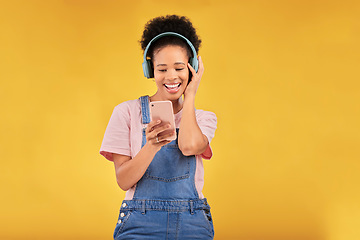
(147, 64)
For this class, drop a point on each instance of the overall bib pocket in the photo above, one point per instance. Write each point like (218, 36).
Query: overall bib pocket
(169, 164)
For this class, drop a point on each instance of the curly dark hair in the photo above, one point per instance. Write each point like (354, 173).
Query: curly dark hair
(169, 23)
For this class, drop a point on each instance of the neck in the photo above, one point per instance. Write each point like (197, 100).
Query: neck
(177, 105)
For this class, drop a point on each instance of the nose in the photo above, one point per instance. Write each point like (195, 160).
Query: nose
(171, 75)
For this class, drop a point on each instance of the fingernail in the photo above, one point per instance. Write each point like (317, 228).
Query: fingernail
(158, 121)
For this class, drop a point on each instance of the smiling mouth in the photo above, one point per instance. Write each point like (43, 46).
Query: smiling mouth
(172, 86)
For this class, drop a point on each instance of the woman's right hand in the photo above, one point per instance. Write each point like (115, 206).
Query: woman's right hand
(152, 131)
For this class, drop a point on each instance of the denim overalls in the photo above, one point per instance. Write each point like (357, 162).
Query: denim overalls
(166, 204)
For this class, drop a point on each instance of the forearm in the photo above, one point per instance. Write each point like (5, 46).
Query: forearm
(132, 171)
(191, 140)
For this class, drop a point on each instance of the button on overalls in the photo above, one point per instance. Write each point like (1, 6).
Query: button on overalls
(165, 204)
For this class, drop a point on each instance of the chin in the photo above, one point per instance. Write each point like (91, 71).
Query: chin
(174, 97)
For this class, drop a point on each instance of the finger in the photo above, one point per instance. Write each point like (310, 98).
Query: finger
(160, 129)
(153, 134)
(154, 140)
(151, 125)
(164, 137)
(191, 69)
(201, 64)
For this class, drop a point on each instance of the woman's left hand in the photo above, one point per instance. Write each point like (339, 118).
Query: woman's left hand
(195, 80)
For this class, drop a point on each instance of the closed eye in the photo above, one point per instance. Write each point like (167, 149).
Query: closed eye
(179, 69)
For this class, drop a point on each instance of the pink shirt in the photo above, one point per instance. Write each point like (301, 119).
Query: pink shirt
(123, 135)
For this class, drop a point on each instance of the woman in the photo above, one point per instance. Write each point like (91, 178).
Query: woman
(163, 179)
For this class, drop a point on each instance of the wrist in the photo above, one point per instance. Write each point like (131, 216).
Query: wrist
(151, 149)
(188, 104)
(189, 97)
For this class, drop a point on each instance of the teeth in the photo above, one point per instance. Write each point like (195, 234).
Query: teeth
(172, 85)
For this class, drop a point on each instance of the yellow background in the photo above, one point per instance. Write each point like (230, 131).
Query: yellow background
(282, 77)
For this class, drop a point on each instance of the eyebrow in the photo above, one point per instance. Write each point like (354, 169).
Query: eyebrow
(163, 64)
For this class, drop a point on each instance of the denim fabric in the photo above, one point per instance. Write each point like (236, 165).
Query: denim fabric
(166, 204)
(164, 219)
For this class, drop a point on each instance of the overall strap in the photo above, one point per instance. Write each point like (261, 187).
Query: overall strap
(145, 111)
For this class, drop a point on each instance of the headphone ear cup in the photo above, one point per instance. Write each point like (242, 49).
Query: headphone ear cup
(194, 63)
(151, 68)
(147, 68)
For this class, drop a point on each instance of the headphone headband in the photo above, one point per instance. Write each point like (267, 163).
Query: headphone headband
(148, 71)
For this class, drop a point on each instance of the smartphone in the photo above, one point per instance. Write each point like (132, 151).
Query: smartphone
(163, 110)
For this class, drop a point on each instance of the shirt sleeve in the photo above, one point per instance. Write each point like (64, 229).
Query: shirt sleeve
(207, 122)
(117, 134)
